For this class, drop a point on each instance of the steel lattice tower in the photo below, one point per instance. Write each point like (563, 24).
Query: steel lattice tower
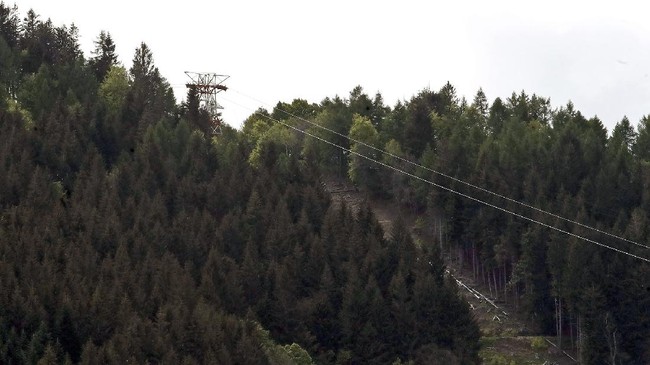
(207, 86)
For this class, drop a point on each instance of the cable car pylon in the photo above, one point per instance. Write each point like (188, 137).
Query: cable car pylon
(207, 85)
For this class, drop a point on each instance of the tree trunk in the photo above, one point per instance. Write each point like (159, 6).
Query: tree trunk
(571, 330)
(612, 338)
(580, 339)
(558, 320)
(483, 272)
(440, 234)
(447, 238)
(488, 282)
(496, 288)
(505, 283)
(474, 267)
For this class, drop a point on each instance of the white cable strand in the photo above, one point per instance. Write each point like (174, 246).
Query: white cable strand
(454, 178)
(446, 188)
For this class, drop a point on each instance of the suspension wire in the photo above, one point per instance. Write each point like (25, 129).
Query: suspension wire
(442, 186)
(554, 215)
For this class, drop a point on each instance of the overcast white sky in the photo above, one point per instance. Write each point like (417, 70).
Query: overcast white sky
(595, 53)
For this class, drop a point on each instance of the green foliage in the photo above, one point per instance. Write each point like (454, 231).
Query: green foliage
(623, 135)
(499, 360)
(562, 162)
(9, 24)
(538, 344)
(282, 355)
(275, 146)
(150, 97)
(298, 354)
(531, 271)
(336, 117)
(39, 92)
(642, 143)
(143, 241)
(114, 90)
(359, 103)
(104, 56)
(8, 70)
(362, 171)
(255, 126)
(127, 235)
(299, 108)
(25, 116)
(418, 132)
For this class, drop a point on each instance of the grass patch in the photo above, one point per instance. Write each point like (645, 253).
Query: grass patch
(519, 350)
(487, 341)
(538, 344)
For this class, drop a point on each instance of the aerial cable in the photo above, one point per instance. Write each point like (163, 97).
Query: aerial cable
(453, 178)
(442, 186)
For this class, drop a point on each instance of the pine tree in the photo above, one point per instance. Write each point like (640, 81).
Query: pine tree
(104, 57)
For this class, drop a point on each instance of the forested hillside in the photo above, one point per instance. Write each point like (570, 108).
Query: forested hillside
(587, 280)
(129, 235)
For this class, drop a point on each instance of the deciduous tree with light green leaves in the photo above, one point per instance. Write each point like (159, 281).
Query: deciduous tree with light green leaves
(363, 172)
(114, 89)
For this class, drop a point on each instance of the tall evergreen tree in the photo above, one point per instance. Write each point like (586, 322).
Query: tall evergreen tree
(104, 56)
(9, 24)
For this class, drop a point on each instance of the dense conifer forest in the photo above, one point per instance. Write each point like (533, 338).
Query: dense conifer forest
(594, 299)
(572, 252)
(129, 234)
